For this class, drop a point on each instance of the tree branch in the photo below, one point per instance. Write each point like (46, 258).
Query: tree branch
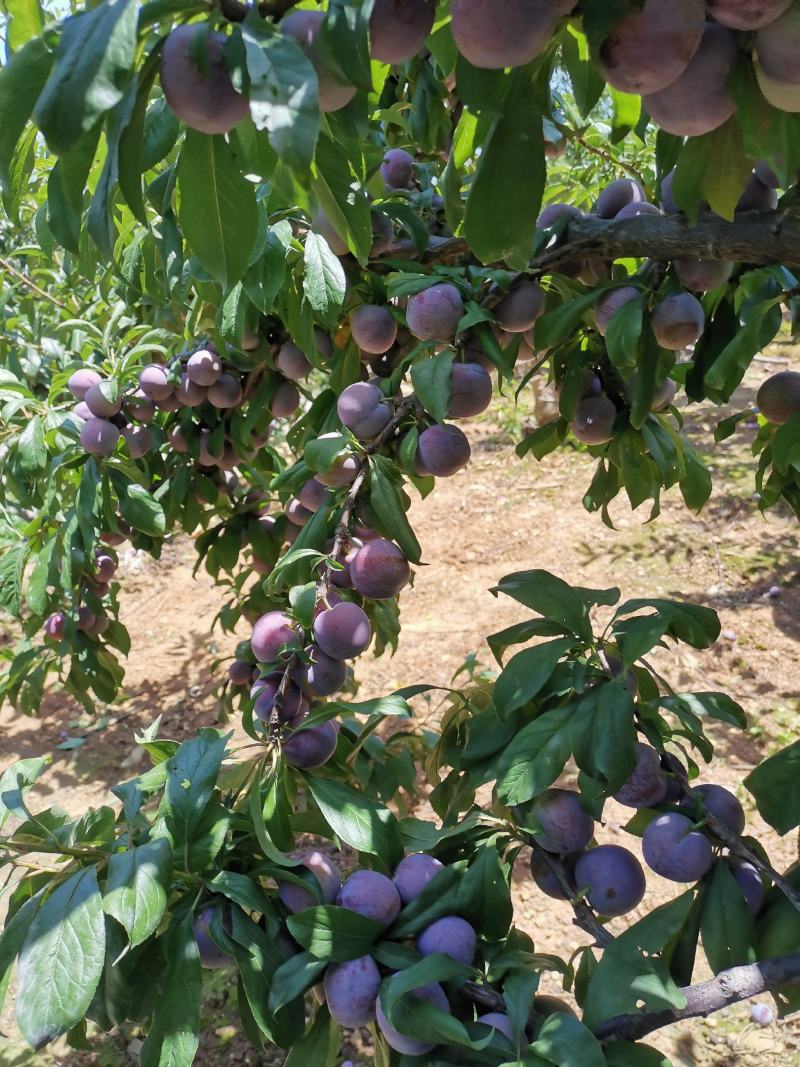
(705, 998)
(31, 284)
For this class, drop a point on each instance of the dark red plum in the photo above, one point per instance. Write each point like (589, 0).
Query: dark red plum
(343, 631)
(450, 935)
(138, 440)
(403, 1043)
(204, 366)
(646, 785)
(188, 393)
(99, 405)
(720, 802)
(546, 879)
(314, 495)
(311, 748)
(778, 398)
(493, 34)
(292, 363)
(322, 676)
(498, 1020)
(379, 570)
(295, 898)
(520, 308)
(413, 873)
(362, 408)
(285, 400)
(746, 14)
(610, 303)
(372, 894)
(674, 850)
(294, 706)
(678, 321)
(652, 46)
(617, 195)
(472, 390)
(749, 881)
(351, 989)
(270, 633)
(398, 28)
(434, 314)
(54, 625)
(397, 170)
(226, 392)
(443, 450)
(613, 878)
(296, 513)
(701, 275)
(593, 422)
(374, 328)
(239, 672)
(211, 955)
(553, 212)
(564, 825)
(140, 408)
(99, 437)
(546, 1005)
(304, 27)
(200, 91)
(630, 211)
(154, 382)
(81, 381)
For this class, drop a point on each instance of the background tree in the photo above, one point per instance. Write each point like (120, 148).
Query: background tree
(259, 262)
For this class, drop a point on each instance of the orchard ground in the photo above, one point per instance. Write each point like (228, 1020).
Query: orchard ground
(504, 515)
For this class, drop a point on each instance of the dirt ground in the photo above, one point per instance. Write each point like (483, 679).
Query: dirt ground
(501, 515)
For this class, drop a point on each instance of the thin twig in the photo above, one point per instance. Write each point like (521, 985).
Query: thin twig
(31, 284)
(602, 154)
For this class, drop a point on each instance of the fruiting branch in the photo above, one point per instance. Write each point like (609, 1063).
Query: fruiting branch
(705, 998)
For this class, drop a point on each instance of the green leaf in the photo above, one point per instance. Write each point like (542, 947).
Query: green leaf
(697, 626)
(624, 334)
(25, 21)
(137, 886)
(504, 201)
(357, 820)
(775, 784)
(533, 760)
(319, 1045)
(526, 673)
(565, 1040)
(264, 278)
(713, 705)
(324, 282)
(336, 185)
(218, 211)
(66, 188)
(433, 383)
(726, 926)
(296, 975)
(411, 1015)
(21, 82)
(699, 175)
(191, 776)
(61, 960)
(31, 447)
(626, 1054)
(331, 933)
(94, 62)
(550, 596)
(14, 783)
(387, 503)
(557, 325)
(142, 511)
(12, 563)
(175, 1031)
(483, 897)
(604, 733)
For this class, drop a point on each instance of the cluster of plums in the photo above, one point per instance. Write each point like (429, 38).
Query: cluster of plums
(778, 398)
(351, 988)
(96, 583)
(674, 844)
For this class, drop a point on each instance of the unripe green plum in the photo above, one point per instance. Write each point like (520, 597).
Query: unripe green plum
(652, 46)
(343, 631)
(563, 824)
(398, 28)
(499, 1021)
(351, 989)
(493, 34)
(412, 874)
(99, 405)
(271, 633)
(472, 390)
(610, 303)
(292, 362)
(140, 407)
(285, 401)
(721, 802)
(397, 169)
(154, 382)
(646, 784)
(746, 14)
(322, 676)
(379, 570)
(374, 328)
(404, 1043)
(200, 91)
(674, 850)
(99, 437)
(698, 101)
(188, 393)
(372, 894)
(435, 313)
(701, 275)
(593, 422)
(226, 392)
(617, 195)
(778, 398)
(304, 27)
(678, 321)
(443, 450)
(613, 879)
(520, 308)
(311, 748)
(81, 381)
(204, 366)
(450, 935)
(211, 956)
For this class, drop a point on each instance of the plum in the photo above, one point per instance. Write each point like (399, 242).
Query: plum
(749, 881)
(674, 850)
(239, 672)
(304, 27)
(322, 676)
(342, 471)
(85, 620)
(443, 450)
(154, 382)
(374, 328)
(382, 233)
(613, 879)
(226, 392)
(757, 196)
(493, 34)
(363, 409)
(520, 308)
(610, 303)
(199, 89)
(81, 381)
(379, 570)
(81, 410)
(311, 748)
(762, 1015)
(397, 169)
(211, 955)
(403, 1043)
(553, 212)
(323, 226)
(412, 874)
(342, 578)
(204, 366)
(398, 28)
(54, 624)
(140, 407)
(652, 46)
(139, 440)
(209, 456)
(99, 437)
(778, 398)
(372, 894)
(188, 393)
(546, 879)
(746, 14)
(564, 825)
(678, 321)
(314, 495)
(343, 631)
(295, 898)
(646, 785)
(722, 803)
(776, 48)
(499, 1021)
(168, 403)
(351, 989)
(177, 440)
(297, 513)
(783, 95)
(98, 404)
(272, 632)
(630, 211)
(285, 400)
(472, 390)
(698, 101)
(617, 195)
(291, 362)
(434, 313)
(593, 422)
(99, 626)
(294, 705)
(663, 396)
(701, 275)
(450, 935)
